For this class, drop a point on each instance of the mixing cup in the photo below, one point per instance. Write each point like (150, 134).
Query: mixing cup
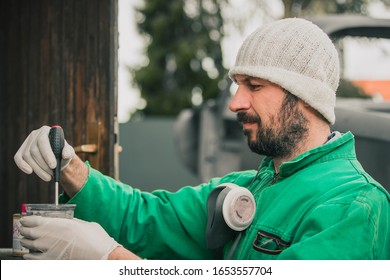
(51, 210)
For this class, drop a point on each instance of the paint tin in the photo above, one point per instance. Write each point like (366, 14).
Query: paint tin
(50, 210)
(17, 248)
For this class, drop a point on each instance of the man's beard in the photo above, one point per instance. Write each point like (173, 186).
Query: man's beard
(281, 136)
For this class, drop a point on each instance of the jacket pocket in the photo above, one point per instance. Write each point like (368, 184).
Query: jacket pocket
(269, 244)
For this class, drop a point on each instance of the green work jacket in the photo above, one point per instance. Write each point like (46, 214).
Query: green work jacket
(321, 205)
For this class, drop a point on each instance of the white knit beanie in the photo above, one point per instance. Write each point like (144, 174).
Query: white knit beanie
(297, 55)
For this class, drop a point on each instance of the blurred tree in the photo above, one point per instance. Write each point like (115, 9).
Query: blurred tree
(184, 54)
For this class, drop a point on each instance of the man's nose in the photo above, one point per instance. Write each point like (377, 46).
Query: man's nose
(240, 100)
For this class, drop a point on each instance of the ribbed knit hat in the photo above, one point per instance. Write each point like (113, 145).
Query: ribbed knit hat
(297, 55)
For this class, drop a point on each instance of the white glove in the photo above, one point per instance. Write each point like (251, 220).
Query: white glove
(36, 154)
(64, 239)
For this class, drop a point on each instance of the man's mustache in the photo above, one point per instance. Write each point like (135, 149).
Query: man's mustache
(245, 117)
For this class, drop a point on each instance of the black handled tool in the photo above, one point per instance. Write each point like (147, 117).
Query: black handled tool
(56, 138)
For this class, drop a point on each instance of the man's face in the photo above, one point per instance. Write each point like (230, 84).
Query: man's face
(271, 117)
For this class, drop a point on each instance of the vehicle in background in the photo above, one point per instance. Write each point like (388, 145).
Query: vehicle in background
(210, 142)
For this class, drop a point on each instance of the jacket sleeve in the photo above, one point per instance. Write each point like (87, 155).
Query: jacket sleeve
(358, 230)
(157, 225)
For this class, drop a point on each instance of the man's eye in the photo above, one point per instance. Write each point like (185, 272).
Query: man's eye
(254, 86)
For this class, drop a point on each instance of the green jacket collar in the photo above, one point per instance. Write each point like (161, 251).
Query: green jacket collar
(344, 146)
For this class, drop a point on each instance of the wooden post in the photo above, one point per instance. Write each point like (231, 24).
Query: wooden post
(58, 65)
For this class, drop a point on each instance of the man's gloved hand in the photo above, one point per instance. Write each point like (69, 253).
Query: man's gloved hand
(36, 155)
(64, 239)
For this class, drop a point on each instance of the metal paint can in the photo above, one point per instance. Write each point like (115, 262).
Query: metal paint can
(17, 248)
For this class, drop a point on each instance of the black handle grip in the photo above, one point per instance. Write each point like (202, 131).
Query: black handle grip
(57, 142)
